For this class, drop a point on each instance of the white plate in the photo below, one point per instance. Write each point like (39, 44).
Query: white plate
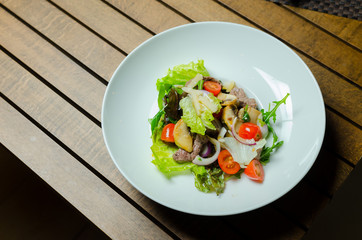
(262, 65)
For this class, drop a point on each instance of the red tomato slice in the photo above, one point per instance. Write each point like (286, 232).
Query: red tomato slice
(212, 87)
(227, 163)
(167, 133)
(255, 171)
(250, 131)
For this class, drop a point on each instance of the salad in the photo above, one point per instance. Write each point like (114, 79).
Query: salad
(210, 128)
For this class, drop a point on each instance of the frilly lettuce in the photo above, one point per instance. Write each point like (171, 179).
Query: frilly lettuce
(190, 116)
(209, 180)
(163, 152)
(179, 75)
(198, 108)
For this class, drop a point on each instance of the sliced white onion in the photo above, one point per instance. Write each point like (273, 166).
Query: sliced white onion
(249, 142)
(193, 82)
(262, 125)
(206, 161)
(222, 133)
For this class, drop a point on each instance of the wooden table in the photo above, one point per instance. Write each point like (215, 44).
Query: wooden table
(57, 57)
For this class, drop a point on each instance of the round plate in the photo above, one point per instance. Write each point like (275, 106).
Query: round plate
(263, 66)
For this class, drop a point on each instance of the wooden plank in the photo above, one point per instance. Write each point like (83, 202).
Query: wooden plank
(85, 139)
(347, 29)
(343, 137)
(106, 21)
(90, 195)
(337, 93)
(69, 35)
(143, 11)
(333, 87)
(51, 64)
(302, 35)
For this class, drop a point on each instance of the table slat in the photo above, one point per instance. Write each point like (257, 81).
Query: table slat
(107, 22)
(89, 194)
(143, 11)
(69, 35)
(51, 64)
(347, 29)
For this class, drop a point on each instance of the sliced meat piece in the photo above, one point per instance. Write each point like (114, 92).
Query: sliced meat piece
(184, 156)
(242, 98)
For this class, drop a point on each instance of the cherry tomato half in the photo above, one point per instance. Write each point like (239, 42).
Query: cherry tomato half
(227, 163)
(250, 131)
(212, 87)
(167, 133)
(255, 171)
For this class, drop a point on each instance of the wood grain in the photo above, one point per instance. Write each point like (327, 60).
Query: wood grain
(351, 145)
(72, 180)
(347, 29)
(51, 64)
(107, 22)
(69, 35)
(302, 35)
(143, 11)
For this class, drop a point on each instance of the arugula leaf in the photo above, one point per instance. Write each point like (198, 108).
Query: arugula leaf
(265, 154)
(272, 113)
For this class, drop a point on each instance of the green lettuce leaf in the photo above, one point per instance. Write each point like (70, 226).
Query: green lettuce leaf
(190, 116)
(209, 180)
(163, 152)
(179, 75)
(207, 118)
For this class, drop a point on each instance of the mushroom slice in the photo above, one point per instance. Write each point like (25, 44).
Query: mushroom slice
(227, 99)
(228, 116)
(253, 114)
